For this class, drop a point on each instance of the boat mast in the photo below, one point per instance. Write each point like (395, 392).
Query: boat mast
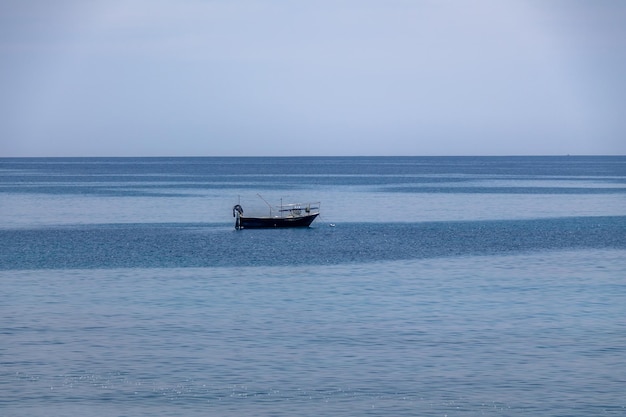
(268, 204)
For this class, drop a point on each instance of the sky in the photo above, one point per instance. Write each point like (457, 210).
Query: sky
(300, 78)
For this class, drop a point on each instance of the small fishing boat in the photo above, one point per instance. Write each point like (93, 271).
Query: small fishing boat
(285, 215)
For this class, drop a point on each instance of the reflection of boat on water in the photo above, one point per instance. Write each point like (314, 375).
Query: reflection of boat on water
(285, 215)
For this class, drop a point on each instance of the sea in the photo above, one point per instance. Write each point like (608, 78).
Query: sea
(428, 286)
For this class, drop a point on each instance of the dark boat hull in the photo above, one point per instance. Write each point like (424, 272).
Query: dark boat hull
(273, 222)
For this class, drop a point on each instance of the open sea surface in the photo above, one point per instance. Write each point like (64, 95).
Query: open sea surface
(429, 286)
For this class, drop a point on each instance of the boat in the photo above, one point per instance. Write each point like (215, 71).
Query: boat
(285, 215)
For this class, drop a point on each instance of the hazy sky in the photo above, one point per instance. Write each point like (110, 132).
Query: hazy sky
(323, 77)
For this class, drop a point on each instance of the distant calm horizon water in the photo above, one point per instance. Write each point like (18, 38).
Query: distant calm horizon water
(447, 286)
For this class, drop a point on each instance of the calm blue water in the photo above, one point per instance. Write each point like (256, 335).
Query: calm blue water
(448, 287)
